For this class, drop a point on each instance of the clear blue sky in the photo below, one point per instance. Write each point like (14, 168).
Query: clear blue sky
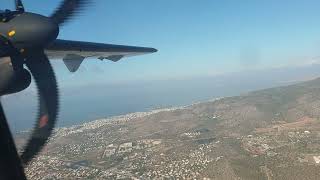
(194, 37)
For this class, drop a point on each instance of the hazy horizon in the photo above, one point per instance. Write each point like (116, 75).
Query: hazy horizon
(221, 41)
(206, 50)
(85, 103)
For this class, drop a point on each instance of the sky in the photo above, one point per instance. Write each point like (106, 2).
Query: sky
(194, 37)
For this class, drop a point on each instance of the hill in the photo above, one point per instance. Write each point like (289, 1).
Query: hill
(267, 134)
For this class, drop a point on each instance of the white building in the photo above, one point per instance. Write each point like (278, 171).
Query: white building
(316, 159)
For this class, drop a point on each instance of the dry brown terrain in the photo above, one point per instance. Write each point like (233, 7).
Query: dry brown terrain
(268, 134)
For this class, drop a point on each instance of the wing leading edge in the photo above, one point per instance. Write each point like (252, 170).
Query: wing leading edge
(73, 52)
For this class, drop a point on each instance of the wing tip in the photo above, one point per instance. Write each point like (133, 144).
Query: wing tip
(152, 50)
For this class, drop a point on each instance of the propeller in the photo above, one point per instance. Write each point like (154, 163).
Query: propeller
(43, 74)
(67, 10)
(19, 6)
(38, 64)
(10, 165)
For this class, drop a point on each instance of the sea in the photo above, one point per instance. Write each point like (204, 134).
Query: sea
(89, 102)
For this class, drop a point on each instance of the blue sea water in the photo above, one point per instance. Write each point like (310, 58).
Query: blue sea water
(91, 102)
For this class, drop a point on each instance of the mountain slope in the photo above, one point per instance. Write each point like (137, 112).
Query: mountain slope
(267, 134)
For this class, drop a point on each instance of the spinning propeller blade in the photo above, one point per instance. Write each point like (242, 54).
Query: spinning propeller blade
(68, 9)
(42, 72)
(19, 6)
(10, 163)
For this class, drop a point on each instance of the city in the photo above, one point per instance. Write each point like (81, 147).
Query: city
(218, 139)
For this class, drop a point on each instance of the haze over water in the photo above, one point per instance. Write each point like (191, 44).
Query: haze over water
(86, 103)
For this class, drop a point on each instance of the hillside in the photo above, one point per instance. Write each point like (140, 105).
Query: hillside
(267, 134)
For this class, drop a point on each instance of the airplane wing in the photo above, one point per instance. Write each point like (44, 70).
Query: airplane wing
(74, 52)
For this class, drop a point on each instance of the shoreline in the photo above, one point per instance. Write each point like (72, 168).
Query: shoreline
(92, 124)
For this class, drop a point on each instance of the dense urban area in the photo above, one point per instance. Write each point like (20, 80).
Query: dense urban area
(267, 134)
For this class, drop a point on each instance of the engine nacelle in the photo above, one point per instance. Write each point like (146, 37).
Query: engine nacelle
(10, 80)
